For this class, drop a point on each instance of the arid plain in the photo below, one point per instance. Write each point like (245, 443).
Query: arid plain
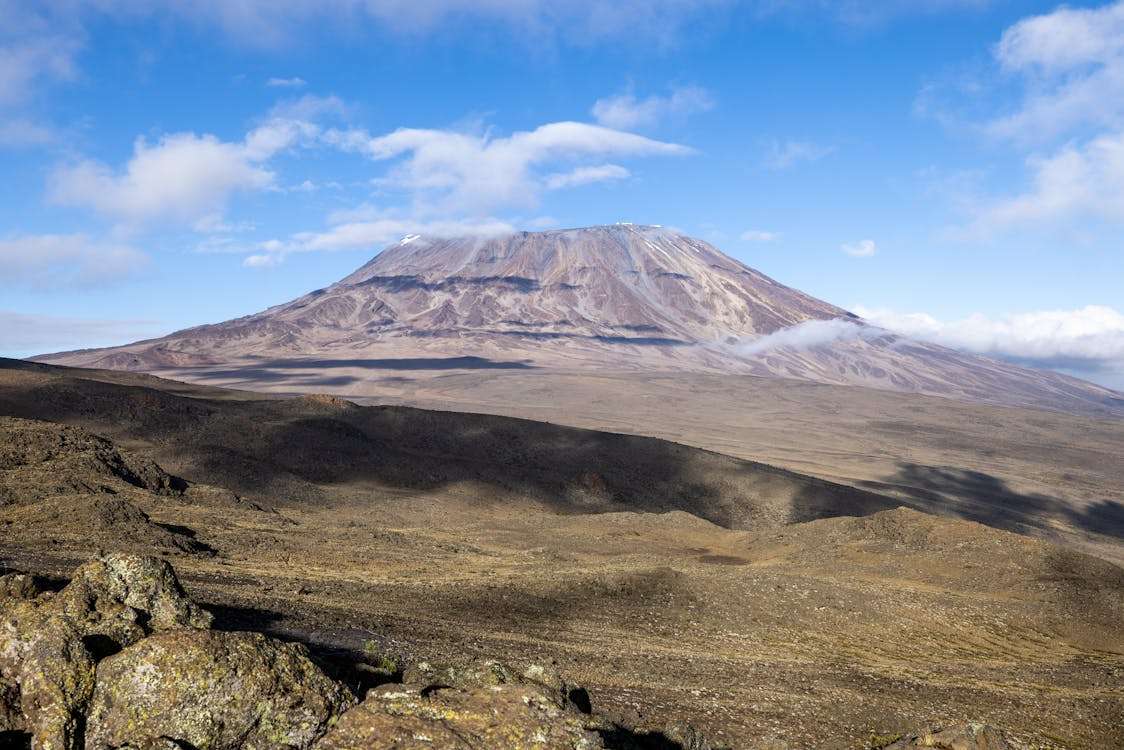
(437, 535)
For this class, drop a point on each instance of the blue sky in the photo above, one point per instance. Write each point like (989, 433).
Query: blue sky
(950, 168)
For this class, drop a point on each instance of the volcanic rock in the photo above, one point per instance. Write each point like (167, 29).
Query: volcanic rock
(221, 691)
(49, 644)
(510, 716)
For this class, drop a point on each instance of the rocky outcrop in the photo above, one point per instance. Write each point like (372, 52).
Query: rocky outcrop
(49, 644)
(964, 737)
(42, 459)
(511, 716)
(61, 486)
(121, 659)
(222, 691)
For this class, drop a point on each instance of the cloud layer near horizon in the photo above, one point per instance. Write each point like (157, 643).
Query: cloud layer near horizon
(1089, 339)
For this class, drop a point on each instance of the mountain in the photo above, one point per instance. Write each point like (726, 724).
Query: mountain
(619, 297)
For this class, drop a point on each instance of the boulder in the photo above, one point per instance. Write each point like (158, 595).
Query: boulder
(49, 644)
(964, 737)
(510, 716)
(204, 689)
(126, 597)
(19, 586)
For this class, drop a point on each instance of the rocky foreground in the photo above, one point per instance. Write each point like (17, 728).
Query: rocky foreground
(122, 658)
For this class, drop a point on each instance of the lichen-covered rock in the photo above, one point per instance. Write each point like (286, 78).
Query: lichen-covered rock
(464, 674)
(125, 597)
(11, 715)
(19, 586)
(965, 737)
(510, 716)
(56, 682)
(479, 673)
(220, 691)
(49, 644)
(46, 676)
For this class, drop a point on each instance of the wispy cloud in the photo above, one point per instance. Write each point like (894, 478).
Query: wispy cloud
(586, 176)
(811, 334)
(35, 48)
(267, 23)
(788, 154)
(627, 112)
(286, 83)
(368, 229)
(860, 249)
(864, 13)
(60, 261)
(760, 235)
(21, 132)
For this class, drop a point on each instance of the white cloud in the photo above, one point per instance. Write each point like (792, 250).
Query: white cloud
(20, 132)
(586, 176)
(309, 108)
(1073, 60)
(370, 233)
(810, 334)
(790, 153)
(1069, 66)
(26, 335)
(182, 177)
(760, 235)
(626, 112)
(262, 260)
(860, 249)
(32, 53)
(286, 83)
(450, 171)
(1087, 339)
(55, 261)
(1085, 180)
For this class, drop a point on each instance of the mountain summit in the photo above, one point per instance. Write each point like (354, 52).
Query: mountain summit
(615, 297)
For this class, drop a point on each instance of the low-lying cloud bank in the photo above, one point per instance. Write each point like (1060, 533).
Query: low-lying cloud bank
(1088, 342)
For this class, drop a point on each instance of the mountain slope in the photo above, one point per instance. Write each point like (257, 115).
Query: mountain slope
(611, 297)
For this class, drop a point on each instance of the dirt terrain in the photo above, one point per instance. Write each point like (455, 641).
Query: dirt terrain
(676, 584)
